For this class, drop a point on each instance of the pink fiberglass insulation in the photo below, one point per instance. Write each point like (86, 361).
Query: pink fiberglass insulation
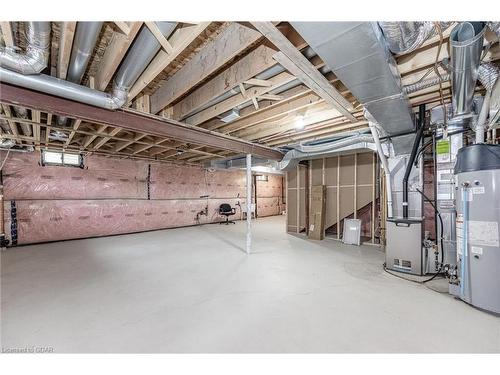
(54, 220)
(25, 178)
(109, 196)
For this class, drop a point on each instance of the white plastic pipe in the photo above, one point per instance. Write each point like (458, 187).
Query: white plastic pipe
(385, 166)
(249, 203)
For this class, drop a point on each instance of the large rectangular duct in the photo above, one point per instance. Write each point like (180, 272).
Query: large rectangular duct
(358, 55)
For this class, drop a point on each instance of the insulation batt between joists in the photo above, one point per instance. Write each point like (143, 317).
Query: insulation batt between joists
(109, 196)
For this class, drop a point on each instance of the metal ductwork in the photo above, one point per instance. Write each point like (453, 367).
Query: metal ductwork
(358, 55)
(140, 54)
(136, 60)
(60, 87)
(83, 45)
(36, 56)
(293, 157)
(466, 46)
(405, 37)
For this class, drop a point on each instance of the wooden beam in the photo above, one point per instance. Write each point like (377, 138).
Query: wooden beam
(315, 84)
(35, 117)
(76, 125)
(65, 45)
(167, 47)
(247, 67)
(115, 51)
(8, 37)
(228, 44)
(298, 65)
(270, 97)
(12, 124)
(259, 82)
(234, 101)
(124, 144)
(123, 26)
(180, 40)
(103, 141)
(89, 139)
(94, 133)
(130, 120)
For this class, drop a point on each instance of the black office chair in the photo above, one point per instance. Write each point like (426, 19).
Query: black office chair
(226, 210)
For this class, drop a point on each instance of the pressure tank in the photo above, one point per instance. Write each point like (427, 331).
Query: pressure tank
(477, 171)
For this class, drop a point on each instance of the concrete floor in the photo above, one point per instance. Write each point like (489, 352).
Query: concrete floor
(194, 290)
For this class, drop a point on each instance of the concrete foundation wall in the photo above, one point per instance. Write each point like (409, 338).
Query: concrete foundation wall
(111, 196)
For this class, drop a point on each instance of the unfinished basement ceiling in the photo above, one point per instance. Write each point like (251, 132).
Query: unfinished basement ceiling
(202, 72)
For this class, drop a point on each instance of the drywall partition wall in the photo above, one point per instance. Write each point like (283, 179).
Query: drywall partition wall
(110, 196)
(351, 190)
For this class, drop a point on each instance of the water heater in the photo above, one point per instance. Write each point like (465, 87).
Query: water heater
(477, 225)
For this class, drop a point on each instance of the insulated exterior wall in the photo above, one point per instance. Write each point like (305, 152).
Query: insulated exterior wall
(111, 196)
(270, 196)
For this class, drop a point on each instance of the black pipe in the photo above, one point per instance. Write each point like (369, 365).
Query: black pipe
(409, 166)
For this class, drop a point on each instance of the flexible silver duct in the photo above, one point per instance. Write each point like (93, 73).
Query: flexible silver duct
(292, 157)
(488, 75)
(125, 78)
(36, 56)
(358, 55)
(495, 27)
(408, 89)
(405, 37)
(466, 46)
(83, 45)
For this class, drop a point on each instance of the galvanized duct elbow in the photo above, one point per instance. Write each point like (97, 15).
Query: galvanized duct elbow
(292, 157)
(36, 56)
(405, 37)
(466, 47)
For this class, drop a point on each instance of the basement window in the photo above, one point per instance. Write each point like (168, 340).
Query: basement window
(62, 158)
(261, 177)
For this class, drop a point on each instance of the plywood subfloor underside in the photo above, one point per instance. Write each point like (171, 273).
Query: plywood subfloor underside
(194, 290)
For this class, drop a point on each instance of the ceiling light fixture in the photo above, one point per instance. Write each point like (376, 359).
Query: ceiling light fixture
(299, 123)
